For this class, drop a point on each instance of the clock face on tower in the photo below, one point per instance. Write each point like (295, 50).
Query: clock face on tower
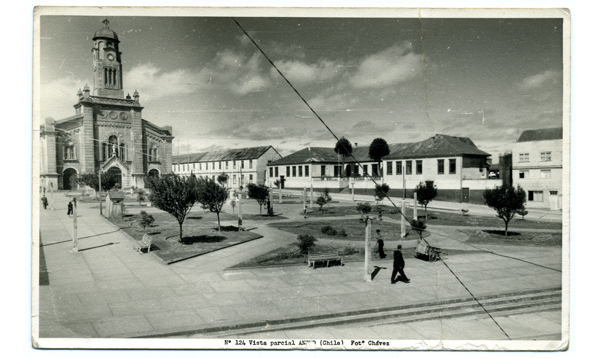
(110, 56)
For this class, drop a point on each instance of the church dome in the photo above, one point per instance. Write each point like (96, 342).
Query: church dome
(106, 33)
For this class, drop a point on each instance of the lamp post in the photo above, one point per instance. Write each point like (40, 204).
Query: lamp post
(367, 273)
(100, 188)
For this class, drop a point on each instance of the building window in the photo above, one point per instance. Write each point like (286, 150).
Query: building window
(440, 166)
(306, 171)
(389, 168)
(365, 170)
(220, 163)
(535, 195)
(408, 167)
(545, 174)
(419, 167)
(294, 171)
(523, 174)
(242, 164)
(251, 178)
(523, 157)
(375, 170)
(545, 156)
(234, 164)
(213, 165)
(276, 171)
(299, 170)
(287, 171)
(322, 170)
(452, 164)
(226, 165)
(553, 192)
(399, 168)
(271, 172)
(250, 165)
(234, 179)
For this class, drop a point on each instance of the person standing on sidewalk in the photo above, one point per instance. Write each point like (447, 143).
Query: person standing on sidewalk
(70, 208)
(399, 267)
(45, 202)
(382, 254)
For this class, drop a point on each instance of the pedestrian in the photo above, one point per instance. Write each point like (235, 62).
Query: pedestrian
(382, 254)
(399, 267)
(45, 202)
(305, 208)
(70, 208)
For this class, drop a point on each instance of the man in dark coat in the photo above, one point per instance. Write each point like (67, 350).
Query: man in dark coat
(399, 267)
(382, 254)
(70, 208)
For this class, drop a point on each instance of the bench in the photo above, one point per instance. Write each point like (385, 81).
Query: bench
(325, 259)
(145, 243)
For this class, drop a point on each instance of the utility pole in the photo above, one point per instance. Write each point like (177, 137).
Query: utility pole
(367, 273)
(311, 193)
(100, 189)
(74, 249)
(402, 220)
(415, 216)
(240, 212)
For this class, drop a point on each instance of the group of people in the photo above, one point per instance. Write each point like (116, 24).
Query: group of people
(398, 259)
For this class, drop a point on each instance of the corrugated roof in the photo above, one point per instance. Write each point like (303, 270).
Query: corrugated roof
(219, 155)
(438, 146)
(541, 134)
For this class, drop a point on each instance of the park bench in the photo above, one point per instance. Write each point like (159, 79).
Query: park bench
(325, 259)
(145, 243)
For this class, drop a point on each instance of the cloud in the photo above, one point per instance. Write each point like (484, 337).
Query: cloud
(302, 73)
(549, 77)
(152, 83)
(370, 127)
(58, 97)
(242, 73)
(391, 66)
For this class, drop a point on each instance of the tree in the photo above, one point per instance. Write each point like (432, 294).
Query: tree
(306, 243)
(91, 180)
(419, 226)
(506, 200)
(321, 201)
(381, 191)
(173, 194)
(377, 150)
(222, 178)
(260, 193)
(425, 194)
(364, 209)
(145, 220)
(141, 195)
(212, 196)
(522, 212)
(343, 148)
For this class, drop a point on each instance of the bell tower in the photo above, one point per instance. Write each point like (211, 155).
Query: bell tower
(108, 72)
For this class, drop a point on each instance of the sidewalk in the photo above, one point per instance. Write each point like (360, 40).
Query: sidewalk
(108, 290)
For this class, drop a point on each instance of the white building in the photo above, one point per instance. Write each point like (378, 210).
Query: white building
(537, 167)
(242, 166)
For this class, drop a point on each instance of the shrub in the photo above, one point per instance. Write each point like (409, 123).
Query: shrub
(342, 232)
(306, 243)
(145, 220)
(363, 208)
(329, 230)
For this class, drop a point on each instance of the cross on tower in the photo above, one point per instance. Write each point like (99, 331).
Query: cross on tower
(105, 22)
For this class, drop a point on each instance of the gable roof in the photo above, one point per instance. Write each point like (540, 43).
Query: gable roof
(219, 155)
(438, 146)
(541, 134)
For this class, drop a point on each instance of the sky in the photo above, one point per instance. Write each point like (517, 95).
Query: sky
(400, 79)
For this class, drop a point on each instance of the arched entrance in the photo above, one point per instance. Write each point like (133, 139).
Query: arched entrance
(69, 180)
(115, 173)
(153, 173)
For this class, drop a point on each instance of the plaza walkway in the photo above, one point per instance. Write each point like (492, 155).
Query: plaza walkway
(108, 290)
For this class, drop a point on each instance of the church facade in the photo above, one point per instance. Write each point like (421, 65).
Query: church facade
(107, 132)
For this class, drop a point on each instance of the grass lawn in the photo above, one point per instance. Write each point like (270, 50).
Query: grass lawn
(444, 218)
(200, 235)
(354, 229)
(262, 217)
(496, 237)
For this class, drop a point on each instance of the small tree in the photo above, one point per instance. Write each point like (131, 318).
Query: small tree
(174, 194)
(381, 191)
(364, 209)
(212, 196)
(425, 194)
(321, 201)
(141, 195)
(260, 193)
(325, 195)
(306, 243)
(377, 150)
(343, 148)
(419, 226)
(145, 220)
(222, 178)
(276, 183)
(522, 212)
(507, 201)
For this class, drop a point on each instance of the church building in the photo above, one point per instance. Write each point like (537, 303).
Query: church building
(107, 132)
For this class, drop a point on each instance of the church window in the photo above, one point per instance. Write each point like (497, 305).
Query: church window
(113, 146)
(69, 153)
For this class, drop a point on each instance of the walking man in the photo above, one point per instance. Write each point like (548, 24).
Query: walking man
(70, 208)
(45, 202)
(399, 267)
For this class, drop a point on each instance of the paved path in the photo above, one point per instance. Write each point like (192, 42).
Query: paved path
(107, 289)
